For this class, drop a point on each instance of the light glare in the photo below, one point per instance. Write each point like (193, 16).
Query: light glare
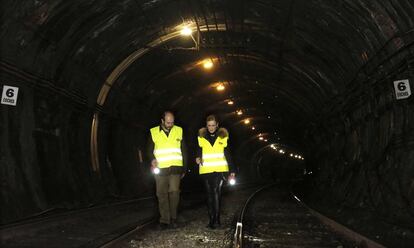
(186, 31)
(220, 87)
(208, 64)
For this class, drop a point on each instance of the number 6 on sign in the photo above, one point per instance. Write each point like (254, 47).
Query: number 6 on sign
(9, 96)
(402, 89)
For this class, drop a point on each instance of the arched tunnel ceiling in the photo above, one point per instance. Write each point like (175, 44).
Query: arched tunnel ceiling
(290, 60)
(315, 76)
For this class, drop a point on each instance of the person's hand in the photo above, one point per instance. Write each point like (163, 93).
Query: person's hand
(182, 175)
(231, 176)
(199, 161)
(154, 164)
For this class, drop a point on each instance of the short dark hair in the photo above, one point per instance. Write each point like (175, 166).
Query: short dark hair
(165, 113)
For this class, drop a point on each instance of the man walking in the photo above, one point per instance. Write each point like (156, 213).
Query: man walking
(167, 153)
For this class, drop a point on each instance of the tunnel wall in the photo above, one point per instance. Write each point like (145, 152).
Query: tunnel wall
(45, 139)
(21, 189)
(44, 155)
(365, 158)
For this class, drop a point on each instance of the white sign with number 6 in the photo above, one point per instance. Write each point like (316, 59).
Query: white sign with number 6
(9, 95)
(402, 89)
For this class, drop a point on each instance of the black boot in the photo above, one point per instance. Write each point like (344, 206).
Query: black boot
(217, 221)
(174, 224)
(216, 205)
(211, 223)
(210, 206)
(211, 213)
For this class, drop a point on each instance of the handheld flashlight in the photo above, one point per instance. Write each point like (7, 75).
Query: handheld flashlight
(232, 181)
(156, 171)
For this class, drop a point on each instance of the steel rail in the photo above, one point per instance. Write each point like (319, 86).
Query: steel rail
(333, 225)
(238, 233)
(358, 238)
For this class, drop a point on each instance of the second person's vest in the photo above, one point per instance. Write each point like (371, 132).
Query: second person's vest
(213, 156)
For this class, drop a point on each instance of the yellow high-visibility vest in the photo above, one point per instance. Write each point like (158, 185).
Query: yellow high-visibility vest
(213, 156)
(167, 150)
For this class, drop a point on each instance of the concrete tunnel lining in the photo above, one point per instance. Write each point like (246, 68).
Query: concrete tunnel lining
(342, 56)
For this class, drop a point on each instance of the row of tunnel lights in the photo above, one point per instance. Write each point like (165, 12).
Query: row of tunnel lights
(208, 64)
(292, 155)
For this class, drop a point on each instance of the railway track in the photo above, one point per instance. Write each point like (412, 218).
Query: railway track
(149, 222)
(100, 226)
(81, 228)
(45, 216)
(270, 217)
(274, 217)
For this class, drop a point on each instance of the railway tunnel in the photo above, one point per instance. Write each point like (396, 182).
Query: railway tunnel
(312, 92)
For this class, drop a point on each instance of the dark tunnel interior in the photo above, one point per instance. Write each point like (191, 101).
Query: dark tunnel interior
(304, 87)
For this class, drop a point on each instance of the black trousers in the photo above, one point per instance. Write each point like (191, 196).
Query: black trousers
(213, 183)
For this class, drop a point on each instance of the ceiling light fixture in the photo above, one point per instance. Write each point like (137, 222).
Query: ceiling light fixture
(186, 31)
(220, 87)
(208, 64)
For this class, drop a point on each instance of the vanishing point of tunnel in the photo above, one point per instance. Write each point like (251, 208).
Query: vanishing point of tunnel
(315, 93)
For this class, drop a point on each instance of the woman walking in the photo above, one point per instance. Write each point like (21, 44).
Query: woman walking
(215, 164)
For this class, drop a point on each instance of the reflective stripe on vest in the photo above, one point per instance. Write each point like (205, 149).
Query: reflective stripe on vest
(213, 156)
(167, 150)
